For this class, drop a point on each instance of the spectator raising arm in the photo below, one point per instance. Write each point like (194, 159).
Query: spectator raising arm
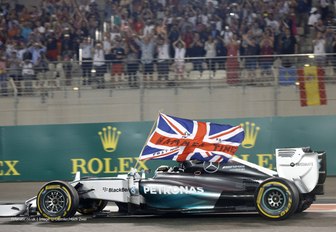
(179, 62)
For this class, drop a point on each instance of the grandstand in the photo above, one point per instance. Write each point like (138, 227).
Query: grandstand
(96, 61)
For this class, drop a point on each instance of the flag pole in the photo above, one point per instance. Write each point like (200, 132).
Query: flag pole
(150, 133)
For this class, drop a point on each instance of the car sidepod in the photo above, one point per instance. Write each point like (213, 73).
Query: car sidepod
(179, 192)
(194, 190)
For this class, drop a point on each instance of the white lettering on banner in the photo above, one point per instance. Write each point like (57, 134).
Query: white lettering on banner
(172, 190)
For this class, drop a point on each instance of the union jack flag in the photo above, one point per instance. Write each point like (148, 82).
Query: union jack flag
(183, 139)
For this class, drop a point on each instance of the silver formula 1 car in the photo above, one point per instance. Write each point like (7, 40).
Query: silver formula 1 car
(192, 187)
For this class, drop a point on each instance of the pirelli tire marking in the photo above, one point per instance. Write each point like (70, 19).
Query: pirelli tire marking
(57, 200)
(276, 200)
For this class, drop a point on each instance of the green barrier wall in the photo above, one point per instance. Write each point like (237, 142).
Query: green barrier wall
(41, 153)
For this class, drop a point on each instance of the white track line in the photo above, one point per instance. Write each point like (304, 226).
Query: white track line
(322, 208)
(314, 208)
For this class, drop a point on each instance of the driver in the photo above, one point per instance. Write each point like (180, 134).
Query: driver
(189, 163)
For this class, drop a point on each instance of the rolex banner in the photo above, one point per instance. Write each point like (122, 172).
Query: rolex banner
(312, 88)
(48, 152)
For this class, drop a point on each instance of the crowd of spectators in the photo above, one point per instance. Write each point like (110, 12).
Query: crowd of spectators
(120, 36)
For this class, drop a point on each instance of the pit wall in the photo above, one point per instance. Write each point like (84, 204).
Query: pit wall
(47, 152)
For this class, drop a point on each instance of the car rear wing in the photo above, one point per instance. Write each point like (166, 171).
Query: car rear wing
(322, 158)
(306, 168)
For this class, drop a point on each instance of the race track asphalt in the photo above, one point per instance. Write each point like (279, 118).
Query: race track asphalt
(320, 217)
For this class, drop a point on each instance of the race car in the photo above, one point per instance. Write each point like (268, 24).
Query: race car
(191, 187)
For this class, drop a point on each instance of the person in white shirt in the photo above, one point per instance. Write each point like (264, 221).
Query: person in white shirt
(320, 49)
(99, 65)
(86, 57)
(149, 28)
(107, 44)
(273, 23)
(147, 46)
(40, 28)
(28, 75)
(163, 57)
(313, 17)
(179, 62)
(227, 35)
(115, 31)
(210, 52)
(107, 47)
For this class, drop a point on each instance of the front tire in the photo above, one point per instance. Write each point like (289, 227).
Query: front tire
(57, 200)
(277, 198)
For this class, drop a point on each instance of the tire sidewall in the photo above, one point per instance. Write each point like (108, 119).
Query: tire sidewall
(70, 195)
(287, 190)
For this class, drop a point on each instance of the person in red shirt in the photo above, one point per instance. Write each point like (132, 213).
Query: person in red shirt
(232, 63)
(138, 25)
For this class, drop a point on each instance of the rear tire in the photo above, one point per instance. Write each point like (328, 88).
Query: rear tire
(277, 198)
(57, 200)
